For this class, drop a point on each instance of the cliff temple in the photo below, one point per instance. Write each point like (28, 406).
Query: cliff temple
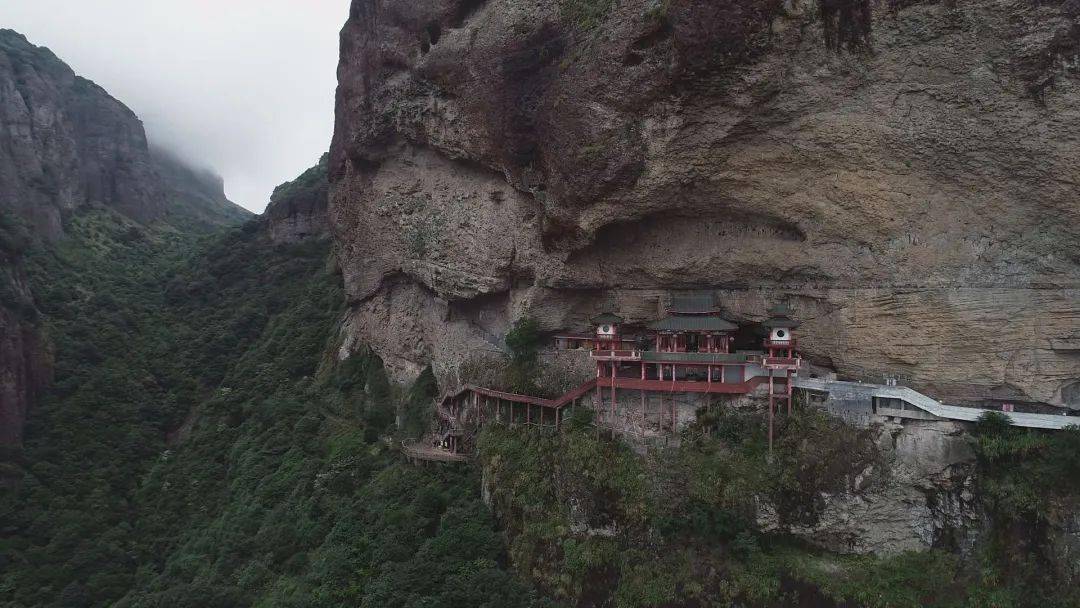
(650, 381)
(689, 351)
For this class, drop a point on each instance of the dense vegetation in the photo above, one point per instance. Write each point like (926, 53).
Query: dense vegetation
(307, 180)
(201, 446)
(597, 524)
(1028, 482)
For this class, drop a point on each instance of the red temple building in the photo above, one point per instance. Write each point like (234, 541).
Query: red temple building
(688, 352)
(651, 381)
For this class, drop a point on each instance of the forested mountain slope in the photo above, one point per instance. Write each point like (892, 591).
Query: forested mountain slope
(67, 146)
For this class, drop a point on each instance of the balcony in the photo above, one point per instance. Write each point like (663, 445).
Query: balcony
(791, 343)
(616, 355)
(781, 362)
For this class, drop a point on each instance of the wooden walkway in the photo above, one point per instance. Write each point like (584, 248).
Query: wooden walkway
(420, 452)
(473, 406)
(444, 404)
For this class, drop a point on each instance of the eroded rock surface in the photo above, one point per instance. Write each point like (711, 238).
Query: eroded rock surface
(24, 358)
(921, 495)
(65, 142)
(297, 209)
(918, 204)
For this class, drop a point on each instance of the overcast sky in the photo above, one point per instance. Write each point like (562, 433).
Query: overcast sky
(244, 87)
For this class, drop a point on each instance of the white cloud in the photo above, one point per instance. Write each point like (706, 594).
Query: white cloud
(245, 87)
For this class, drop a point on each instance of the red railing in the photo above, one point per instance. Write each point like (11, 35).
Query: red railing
(516, 398)
(792, 343)
(780, 362)
(683, 386)
(630, 355)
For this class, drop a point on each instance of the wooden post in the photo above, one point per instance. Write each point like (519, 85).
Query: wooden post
(598, 403)
(789, 392)
(771, 407)
(613, 367)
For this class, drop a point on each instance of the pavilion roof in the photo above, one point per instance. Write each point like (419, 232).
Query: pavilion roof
(693, 323)
(607, 317)
(780, 316)
(693, 303)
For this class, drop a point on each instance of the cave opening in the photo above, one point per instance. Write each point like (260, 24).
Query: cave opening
(748, 337)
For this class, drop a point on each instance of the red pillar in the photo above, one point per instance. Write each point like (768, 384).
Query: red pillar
(772, 404)
(612, 393)
(789, 392)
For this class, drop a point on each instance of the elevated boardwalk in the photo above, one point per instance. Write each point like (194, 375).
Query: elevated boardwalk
(445, 403)
(444, 406)
(420, 452)
(922, 406)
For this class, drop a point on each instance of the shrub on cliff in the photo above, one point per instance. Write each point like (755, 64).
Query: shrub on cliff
(1026, 479)
(523, 341)
(15, 235)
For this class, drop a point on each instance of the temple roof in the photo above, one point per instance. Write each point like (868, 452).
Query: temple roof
(695, 323)
(693, 303)
(780, 316)
(607, 317)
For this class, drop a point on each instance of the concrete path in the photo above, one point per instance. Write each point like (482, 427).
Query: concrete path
(929, 405)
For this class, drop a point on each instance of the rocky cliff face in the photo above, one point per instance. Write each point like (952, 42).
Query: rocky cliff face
(24, 358)
(194, 194)
(297, 209)
(919, 495)
(65, 142)
(915, 200)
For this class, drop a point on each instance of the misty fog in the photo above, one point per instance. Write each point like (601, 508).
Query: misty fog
(243, 87)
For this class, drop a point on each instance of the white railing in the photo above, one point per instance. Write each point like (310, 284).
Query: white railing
(935, 407)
